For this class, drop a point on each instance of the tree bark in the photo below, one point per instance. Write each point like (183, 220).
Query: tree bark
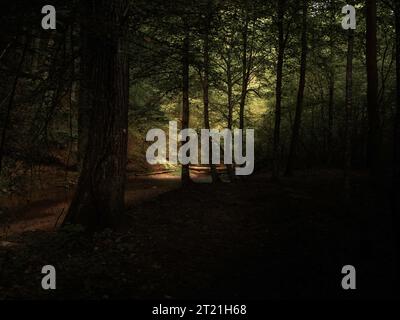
(229, 88)
(396, 138)
(99, 198)
(185, 175)
(348, 111)
(396, 147)
(229, 80)
(373, 147)
(205, 82)
(84, 98)
(300, 94)
(278, 89)
(245, 68)
(331, 102)
(331, 86)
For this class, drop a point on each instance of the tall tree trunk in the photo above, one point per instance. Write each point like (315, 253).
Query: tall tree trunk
(278, 89)
(229, 88)
(99, 198)
(185, 176)
(85, 96)
(348, 111)
(396, 147)
(300, 95)
(373, 148)
(206, 75)
(229, 81)
(396, 138)
(245, 68)
(331, 101)
(331, 88)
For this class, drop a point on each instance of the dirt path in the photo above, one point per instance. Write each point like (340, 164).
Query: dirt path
(47, 212)
(49, 205)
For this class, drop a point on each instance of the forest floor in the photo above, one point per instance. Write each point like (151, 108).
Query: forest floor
(253, 239)
(46, 208)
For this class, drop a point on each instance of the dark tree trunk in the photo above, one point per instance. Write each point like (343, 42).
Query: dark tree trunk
(230, 89)
(229, 80)
(373, 148)
(245, 68)
(330, 116)
(348, 111)
(206, 75)
(396, 147)
(331, 88)
(396, 138)
(278, 89)
(99, 198)
(84, 103)
(300, 95)
(185, 176)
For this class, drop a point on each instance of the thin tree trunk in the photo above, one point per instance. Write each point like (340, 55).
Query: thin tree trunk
(396, 147)
(373, 148)
(185, 176)
(348, 111)
(229, 79)
(331, 102)
(331, 89)
(245, 71)
(300, 94)
(278, 89)
(206, 75)
(230, 89)
(85, 96)
(99, 198)
(396, 138)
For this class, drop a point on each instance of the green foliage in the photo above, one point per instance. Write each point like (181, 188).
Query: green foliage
(43, 124)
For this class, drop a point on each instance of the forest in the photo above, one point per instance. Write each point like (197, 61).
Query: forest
(314, 111)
